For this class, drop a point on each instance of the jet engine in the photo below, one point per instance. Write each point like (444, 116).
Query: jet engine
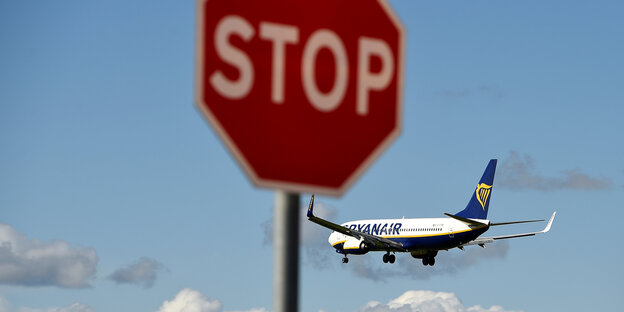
(356, 246)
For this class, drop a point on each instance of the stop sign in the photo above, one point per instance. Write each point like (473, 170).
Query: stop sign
(305, 94)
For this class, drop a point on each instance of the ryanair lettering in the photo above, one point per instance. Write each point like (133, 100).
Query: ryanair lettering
(377, 229)
(483, 192)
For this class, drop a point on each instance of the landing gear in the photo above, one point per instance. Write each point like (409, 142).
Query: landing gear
(345, 259)
(388, 258)
(428, 261)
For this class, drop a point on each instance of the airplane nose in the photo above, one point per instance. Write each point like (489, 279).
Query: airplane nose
(332, 238)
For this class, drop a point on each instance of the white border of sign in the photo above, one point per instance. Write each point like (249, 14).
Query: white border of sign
(292, 186)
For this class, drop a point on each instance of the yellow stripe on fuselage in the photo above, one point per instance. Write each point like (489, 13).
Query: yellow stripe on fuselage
(340, 242)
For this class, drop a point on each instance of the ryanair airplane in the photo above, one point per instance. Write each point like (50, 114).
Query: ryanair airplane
(422, 237)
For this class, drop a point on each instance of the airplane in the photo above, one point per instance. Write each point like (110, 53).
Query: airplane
(422, 237)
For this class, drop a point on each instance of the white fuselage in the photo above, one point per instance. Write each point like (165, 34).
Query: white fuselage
(414, 234)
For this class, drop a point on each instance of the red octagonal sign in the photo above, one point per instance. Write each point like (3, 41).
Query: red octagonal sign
(305, 94)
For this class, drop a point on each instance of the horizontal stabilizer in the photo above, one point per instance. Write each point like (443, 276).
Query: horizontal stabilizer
(466, 220)
(487, 240)
(514, 222)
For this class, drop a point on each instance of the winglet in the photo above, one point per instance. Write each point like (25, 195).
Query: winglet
(311, 207)
(547, 228)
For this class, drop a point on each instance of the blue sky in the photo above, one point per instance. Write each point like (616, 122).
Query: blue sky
(115, 195)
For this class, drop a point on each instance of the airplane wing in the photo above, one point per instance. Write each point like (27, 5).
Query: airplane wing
(486, 240)
(374, 240)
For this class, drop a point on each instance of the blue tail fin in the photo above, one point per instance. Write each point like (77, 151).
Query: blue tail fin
(480, 201)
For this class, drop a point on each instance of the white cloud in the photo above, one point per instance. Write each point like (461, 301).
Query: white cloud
(426, 300)
(30, 262)
(76, 307)
(142, 272)
(518, 172)
(5, 306)
(190, 300)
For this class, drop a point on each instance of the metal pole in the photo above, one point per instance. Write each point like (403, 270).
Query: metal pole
(286, 252)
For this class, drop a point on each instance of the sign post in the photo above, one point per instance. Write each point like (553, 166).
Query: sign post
(286, 251)
(304, 94)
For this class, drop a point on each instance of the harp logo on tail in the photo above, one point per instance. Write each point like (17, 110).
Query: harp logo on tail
(483, 192)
